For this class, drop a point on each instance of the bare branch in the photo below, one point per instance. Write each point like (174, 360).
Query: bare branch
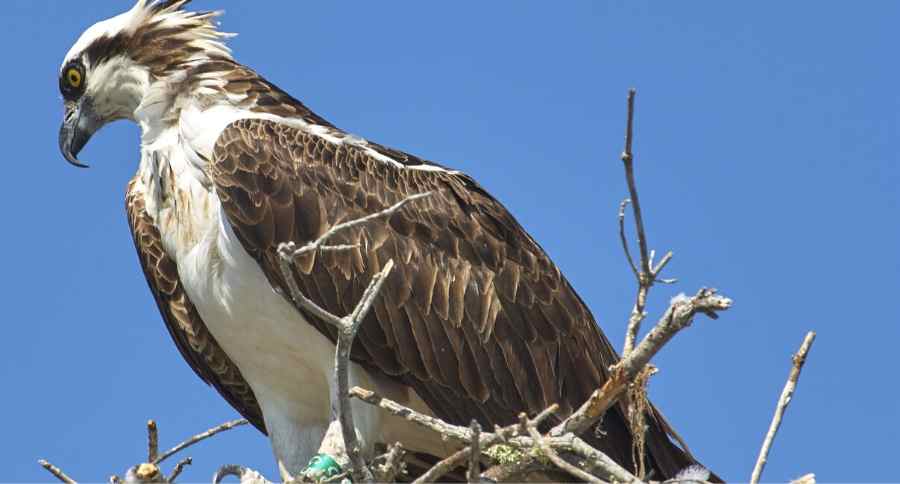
(648, 274)
(636, 318)
(347, 326)
(152, 441)
(179, 467)
(678, 316)
(475, 453)
(346, 335)
(291, 251)
(443, 467)
(199, 437)
(798, 360)
(455, 432)
(288, 252)
(558, 461)
(595, 460)
(628, 161)
(624, 239)
(56, 471)
(393, 465)
(658, 268)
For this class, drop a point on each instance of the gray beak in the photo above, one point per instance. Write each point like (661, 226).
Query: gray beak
(79, 124)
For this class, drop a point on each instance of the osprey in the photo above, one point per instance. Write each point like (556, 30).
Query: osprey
(475, 321)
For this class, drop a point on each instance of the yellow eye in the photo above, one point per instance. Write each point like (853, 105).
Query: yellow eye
(73, 77)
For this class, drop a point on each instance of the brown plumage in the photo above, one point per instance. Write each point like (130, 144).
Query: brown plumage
(475, 317)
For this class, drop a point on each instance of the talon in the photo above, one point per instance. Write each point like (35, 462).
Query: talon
(321, 467)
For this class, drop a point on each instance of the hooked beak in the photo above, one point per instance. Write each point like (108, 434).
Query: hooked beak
(79, 124)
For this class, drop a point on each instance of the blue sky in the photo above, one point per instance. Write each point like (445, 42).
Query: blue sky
(766, 158)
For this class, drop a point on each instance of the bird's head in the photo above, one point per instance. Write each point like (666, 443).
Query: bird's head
(129, 67)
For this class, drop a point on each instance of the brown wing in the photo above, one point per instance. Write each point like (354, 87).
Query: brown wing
(194, 341)
(475, 316)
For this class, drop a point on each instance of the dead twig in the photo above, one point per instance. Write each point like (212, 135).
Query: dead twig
(475, 453)
(393, 465)
(444, 466)
(644, 276)
(152, 441)
(798, 360)
(290, 251)
(199, 437)
(678, 316)
(558, 461)
(647, 274)
(179, 467)
(56, 471)
(624, 239)
(346, 335)
(591, 457)
(346, 326)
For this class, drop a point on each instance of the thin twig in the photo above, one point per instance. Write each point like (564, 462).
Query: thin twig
(594, 459)
(443, 466)
(558, 461)
(179, 467)
(199, 437)
(797, 364)
(347, 326)
(475, 453)
(319, 244)
(56, 471)
(636, 318)
(346, 335)
(624, 239)
(449, 431)
(288, 252)
(393, 465)
(152, 441)
(628, 161)
(568, 442)
(648, 274)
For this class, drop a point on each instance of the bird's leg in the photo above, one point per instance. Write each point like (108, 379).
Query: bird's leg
(331, 459)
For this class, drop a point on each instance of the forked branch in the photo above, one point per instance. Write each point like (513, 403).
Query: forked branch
(346, 326)
(647, 274)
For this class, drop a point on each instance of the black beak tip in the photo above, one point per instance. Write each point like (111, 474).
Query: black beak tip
(74, 161)
(65, 146)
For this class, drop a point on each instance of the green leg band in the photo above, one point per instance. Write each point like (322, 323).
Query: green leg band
(322, 467)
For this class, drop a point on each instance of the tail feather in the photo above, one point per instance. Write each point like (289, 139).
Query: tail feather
(668, 458)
